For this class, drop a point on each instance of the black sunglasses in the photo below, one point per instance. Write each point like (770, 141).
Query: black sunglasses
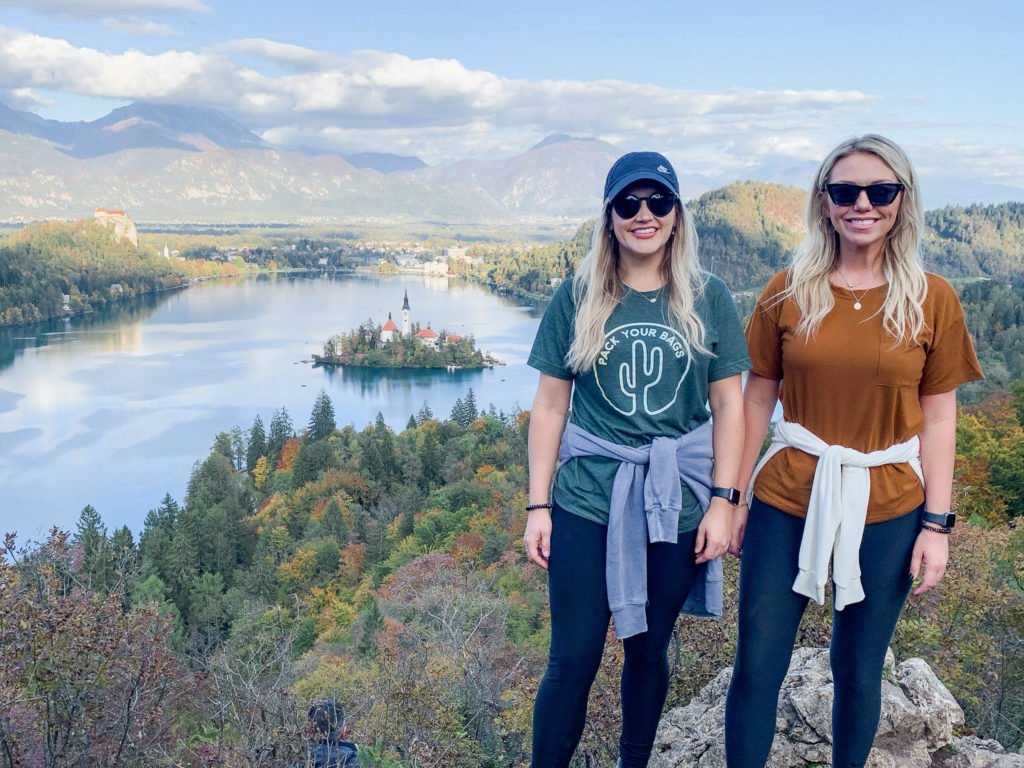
(659, 204)
(878, 194)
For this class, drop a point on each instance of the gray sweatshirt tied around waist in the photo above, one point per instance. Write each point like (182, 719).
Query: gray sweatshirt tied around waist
(645, 508)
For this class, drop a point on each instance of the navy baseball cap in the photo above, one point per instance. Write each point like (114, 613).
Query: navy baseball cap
(640, 166)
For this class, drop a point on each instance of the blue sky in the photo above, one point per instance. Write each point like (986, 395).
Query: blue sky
(726, 89)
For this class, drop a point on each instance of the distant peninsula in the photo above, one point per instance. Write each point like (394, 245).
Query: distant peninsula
(411, 346)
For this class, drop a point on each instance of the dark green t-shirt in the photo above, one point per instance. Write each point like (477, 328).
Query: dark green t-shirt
(644, 384)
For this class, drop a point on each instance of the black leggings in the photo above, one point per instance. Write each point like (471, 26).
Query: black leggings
(769, 615)
(579, 624)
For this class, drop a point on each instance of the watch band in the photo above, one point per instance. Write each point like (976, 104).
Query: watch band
(947, 520)
(732, 495)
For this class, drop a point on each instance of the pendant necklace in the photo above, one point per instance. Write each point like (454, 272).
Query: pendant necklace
(856, 300)
(641, 294)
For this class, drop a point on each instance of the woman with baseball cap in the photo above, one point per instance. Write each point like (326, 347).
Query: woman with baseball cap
(639, 342)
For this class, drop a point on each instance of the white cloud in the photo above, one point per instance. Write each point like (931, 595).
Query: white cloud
(139, 27)
(443, 111)
(25, 99)
(89, 9)
(281, 53)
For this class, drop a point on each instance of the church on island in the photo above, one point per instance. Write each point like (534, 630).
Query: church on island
(426, 336)
(409, 346)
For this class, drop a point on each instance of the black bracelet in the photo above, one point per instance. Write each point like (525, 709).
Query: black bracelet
(936, 528)
(531, 507)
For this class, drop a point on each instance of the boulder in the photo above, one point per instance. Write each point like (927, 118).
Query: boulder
(918, 722)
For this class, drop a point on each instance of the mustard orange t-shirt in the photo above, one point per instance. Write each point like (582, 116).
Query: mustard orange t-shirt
(850, 386)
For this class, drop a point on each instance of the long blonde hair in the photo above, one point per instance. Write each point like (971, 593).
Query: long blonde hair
(596, 288)
(818, 254)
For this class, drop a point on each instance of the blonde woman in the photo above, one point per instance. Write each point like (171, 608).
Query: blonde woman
(867, 350)
(640, 341)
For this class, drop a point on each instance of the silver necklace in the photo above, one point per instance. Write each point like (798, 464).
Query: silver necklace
(856, 299)
(642, 295)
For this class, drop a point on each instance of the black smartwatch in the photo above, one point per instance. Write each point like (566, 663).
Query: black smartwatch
(732, 495)
(947, 520)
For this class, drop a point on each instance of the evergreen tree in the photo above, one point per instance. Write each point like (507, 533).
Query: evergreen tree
(313, 460)
(238, 448)
(321, 421)
(281, 430)
(257, 444)
(371, 620)
(378, 459)
(157, 531)
(208, 616)
(97, 558)
(458, 414)
(222, 446)
(124, 555)
(430, 461)
(425, 413)
(469, 404)
(411, 424)
(333, 522)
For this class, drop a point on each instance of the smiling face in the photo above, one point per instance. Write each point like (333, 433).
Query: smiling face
(861, 226)
(645, 235)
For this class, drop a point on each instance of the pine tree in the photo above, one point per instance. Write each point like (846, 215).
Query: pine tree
(97, 558)
(257, 444)
(430, 461)
(238, 448)
(333, 522)
(470, 406)
(458, 414)
(321, 421)
(157, 530)
(411, 424)
(281, 430)
(425, 413)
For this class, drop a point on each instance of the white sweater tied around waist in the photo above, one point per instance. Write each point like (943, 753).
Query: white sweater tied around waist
(837, 509)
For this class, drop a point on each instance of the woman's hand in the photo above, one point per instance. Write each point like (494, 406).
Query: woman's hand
(932, 550)
(538, 537)
(713, 532)
(739, 528)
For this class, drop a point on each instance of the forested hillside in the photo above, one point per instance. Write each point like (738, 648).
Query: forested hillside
(386, 568)
(82, 259)
(977, 241)
(748, 231)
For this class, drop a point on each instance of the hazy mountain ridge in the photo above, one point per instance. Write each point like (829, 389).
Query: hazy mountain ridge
(167, 164)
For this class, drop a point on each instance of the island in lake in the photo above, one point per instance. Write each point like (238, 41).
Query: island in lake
(411, 346)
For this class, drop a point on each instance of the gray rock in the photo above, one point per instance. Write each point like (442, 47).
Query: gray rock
(918, 721)
(972, 752)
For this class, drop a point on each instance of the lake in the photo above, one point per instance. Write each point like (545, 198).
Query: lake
(114, 408)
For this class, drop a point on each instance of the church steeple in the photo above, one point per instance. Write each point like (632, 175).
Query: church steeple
(406, 316)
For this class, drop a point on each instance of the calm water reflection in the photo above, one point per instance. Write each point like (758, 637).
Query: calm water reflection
(113, 409)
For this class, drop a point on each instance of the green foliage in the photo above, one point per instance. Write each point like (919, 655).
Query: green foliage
(83, 260)
(257, 445)
(979, 240)
(321, 421)
(387, 569)
(996, 321)
(281, 430)
(364, 347)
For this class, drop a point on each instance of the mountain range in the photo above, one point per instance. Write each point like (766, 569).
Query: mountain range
(171, 165)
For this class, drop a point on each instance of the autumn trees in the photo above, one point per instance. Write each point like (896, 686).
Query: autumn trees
(384, 567)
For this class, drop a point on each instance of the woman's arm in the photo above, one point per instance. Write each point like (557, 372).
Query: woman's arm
(938, 446)
(759, 399)
(547, 421)
(726, 400)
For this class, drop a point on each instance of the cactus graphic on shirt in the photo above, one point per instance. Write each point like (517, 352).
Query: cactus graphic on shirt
(641, 367)
(649, 362)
